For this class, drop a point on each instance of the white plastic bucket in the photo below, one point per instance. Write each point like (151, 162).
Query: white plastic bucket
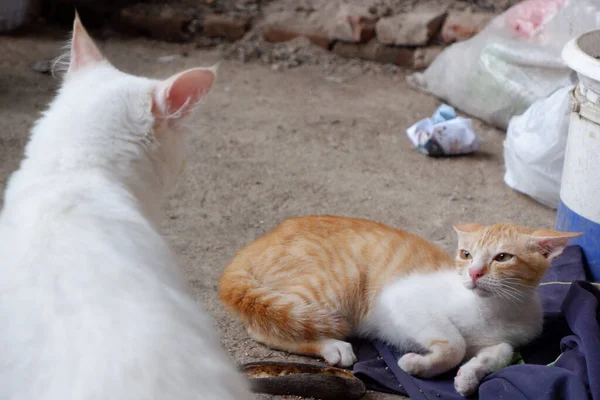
(12, 14)
(579, 209)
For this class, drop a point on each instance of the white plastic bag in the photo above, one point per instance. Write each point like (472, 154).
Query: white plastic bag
(534, 149)
(513, 62)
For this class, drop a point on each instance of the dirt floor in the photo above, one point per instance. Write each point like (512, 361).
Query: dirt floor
(276, 144)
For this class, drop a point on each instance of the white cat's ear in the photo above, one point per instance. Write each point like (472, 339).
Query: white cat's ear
(178, 95)
(83, 49)
(550, 243)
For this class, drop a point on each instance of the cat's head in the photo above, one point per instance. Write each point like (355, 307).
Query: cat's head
(506, 259)
(105, 118)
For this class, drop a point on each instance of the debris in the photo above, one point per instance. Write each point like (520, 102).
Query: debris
(444, 134)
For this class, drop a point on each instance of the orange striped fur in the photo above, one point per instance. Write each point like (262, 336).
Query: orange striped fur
(316, 277)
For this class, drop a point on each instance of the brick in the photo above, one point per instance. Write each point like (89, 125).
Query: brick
(351, 23)
(424, 56)
(415, 58)
(375, 51)
(462, 25)
(274, 34)
(363, 28)
(220, 25)
(410, 29)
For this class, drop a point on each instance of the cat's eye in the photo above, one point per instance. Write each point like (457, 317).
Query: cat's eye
(502, 257)
(465, 255)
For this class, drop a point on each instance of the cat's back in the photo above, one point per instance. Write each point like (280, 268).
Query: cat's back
(369, 244)
(92, 304)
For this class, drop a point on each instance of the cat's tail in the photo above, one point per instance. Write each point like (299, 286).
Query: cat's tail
(263, 310)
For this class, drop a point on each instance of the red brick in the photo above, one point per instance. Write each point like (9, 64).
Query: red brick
(415, 58)
(424, 56)
(462, 25)
(230, 28)
(275, 34)
(349, 23)
(363, 28)
(410, 29)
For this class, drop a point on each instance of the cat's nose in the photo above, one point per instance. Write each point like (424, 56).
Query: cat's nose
(476, 273)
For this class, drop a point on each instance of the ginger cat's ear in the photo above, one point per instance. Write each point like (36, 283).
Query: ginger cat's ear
(467, 234)
(550, 243)
(467, 228)
(178, 95)
(83, 49)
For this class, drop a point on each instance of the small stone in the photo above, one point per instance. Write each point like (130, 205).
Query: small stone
(453, 198)
(469, 197)
(167, 59)
(462, 25)
(230, 28)
(410, 29)
(43, 67)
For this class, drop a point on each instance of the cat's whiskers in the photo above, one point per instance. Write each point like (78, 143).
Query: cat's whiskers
(505, 290)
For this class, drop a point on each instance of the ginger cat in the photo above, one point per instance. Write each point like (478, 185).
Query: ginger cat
(314, 281)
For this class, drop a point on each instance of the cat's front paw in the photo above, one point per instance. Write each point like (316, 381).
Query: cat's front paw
(337, 352)
(466, 381)
(413, 364)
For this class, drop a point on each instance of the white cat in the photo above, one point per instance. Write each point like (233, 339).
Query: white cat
(92, 306)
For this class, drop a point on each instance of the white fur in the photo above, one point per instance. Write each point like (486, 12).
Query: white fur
(92, 305)
(417, 310)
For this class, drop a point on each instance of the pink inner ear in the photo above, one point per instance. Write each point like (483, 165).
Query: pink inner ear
(552, 245)
(83, 49)
(181, 93)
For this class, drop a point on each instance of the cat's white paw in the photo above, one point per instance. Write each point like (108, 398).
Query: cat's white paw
(413, 364)
(337, 352)
(466, 381)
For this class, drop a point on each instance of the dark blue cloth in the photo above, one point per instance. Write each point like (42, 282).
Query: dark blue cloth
(571, 334)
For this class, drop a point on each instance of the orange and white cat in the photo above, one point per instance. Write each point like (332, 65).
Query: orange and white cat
(314, 281)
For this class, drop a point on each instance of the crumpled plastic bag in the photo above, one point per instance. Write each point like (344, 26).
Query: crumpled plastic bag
(444, 134)
(534, 149)
(512, 62)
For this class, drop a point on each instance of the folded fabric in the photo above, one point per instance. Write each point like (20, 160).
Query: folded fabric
(570, 342)
(444, 134)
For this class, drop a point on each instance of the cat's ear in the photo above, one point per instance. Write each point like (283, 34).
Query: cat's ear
(467, 234)
(550, 243)
(467, 228)
(178, 95)
(83, 49)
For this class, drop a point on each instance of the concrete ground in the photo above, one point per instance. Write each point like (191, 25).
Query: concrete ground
(272, 145)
